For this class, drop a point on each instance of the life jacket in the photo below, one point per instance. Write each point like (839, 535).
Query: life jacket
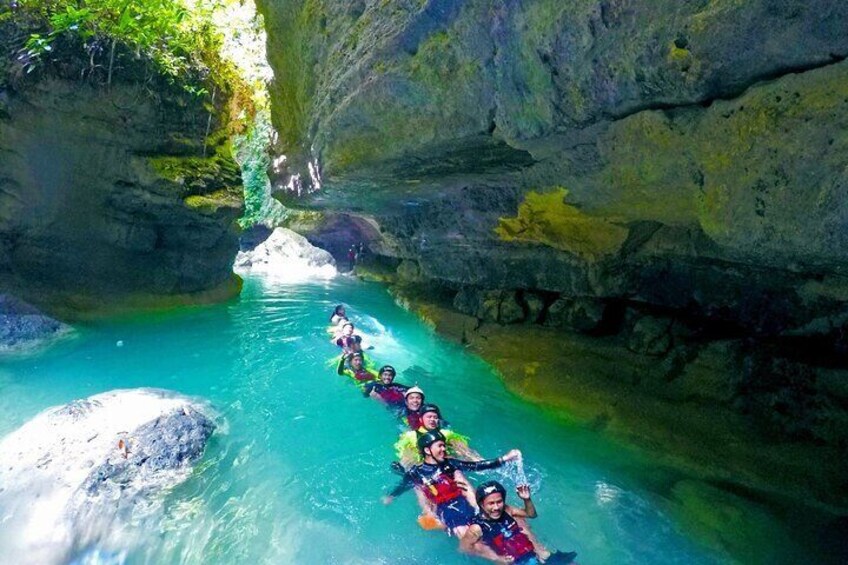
(438, 485)
(362, 375)
(505, 536)
(413, 419)
(391, 394)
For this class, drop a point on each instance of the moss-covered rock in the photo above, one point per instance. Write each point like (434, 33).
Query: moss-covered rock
(111, 195)
(727, 522)
(701, 161)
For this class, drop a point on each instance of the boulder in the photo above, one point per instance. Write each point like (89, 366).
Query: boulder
(24, 327)
(286, 254)
(92, 471)
(650, 335)
(409, 271)
(467, 300)
(579, 314)
(535, 306)
(511, 311)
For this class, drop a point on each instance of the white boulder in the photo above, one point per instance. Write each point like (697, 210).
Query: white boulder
(288, 255)
(88, 474)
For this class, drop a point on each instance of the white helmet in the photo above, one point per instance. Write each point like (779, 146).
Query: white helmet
(413, 390)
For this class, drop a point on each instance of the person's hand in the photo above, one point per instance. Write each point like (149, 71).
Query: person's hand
(512, 455)
(462, 485)
(523, 492)
(387, 499)
(506, 559)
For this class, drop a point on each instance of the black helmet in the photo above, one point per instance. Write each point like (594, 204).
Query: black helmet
(357, 354)
(430, 408)
(428, 439)
(387, 368)
(487, 488)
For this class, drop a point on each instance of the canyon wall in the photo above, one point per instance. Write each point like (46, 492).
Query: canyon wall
(661, 183)
(121, 193)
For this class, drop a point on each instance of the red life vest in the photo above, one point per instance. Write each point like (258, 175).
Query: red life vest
(505, 536)
(440, 487)
(362, 375)
(413, 419)
(391, 395)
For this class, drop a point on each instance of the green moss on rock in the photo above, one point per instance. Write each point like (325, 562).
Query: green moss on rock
(545, 218)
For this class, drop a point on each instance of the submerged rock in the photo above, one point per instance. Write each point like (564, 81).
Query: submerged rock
(92, 471)
(286, 254)
(24, 327)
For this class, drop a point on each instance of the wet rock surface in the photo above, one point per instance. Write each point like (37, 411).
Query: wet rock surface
(286, 253)
(664, 153)
(730, 410)
(85, 470)
(22, 326)
(171, 441)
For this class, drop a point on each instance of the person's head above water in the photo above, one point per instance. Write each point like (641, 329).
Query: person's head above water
(432, 445)
(430, 416)
(387, 374)
(414, 398)
(356, 361)
(347, 329)
(339, 311)
(491, 497)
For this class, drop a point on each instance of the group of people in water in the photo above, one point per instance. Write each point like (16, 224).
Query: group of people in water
(432, 460)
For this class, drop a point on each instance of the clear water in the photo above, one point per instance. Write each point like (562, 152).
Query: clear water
(297, 473)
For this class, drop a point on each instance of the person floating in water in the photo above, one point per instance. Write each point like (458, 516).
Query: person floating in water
(385, 389)
(357, 371)
(431, 420)
(339, 316)
(440, 480)
(497, 527)
(410, 413)
(347, 340)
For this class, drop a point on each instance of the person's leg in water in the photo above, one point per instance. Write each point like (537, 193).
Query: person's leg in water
(428, 518)
(542, 551)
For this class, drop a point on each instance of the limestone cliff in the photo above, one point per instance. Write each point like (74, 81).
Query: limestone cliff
(112, 193)
(679, 141)
(667, 178)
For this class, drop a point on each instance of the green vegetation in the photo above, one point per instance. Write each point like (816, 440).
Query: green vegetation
(178, 36)
(251, 152)
(212, 49)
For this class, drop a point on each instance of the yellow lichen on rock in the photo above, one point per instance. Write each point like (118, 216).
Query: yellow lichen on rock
(546, 219)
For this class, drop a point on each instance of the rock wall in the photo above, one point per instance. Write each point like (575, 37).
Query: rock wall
(667, 178)
(112, 193)
(686, 154)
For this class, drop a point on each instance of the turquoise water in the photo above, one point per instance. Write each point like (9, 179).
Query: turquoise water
(296, 473)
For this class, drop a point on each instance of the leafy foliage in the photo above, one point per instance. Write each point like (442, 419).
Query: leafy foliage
(180, 39)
